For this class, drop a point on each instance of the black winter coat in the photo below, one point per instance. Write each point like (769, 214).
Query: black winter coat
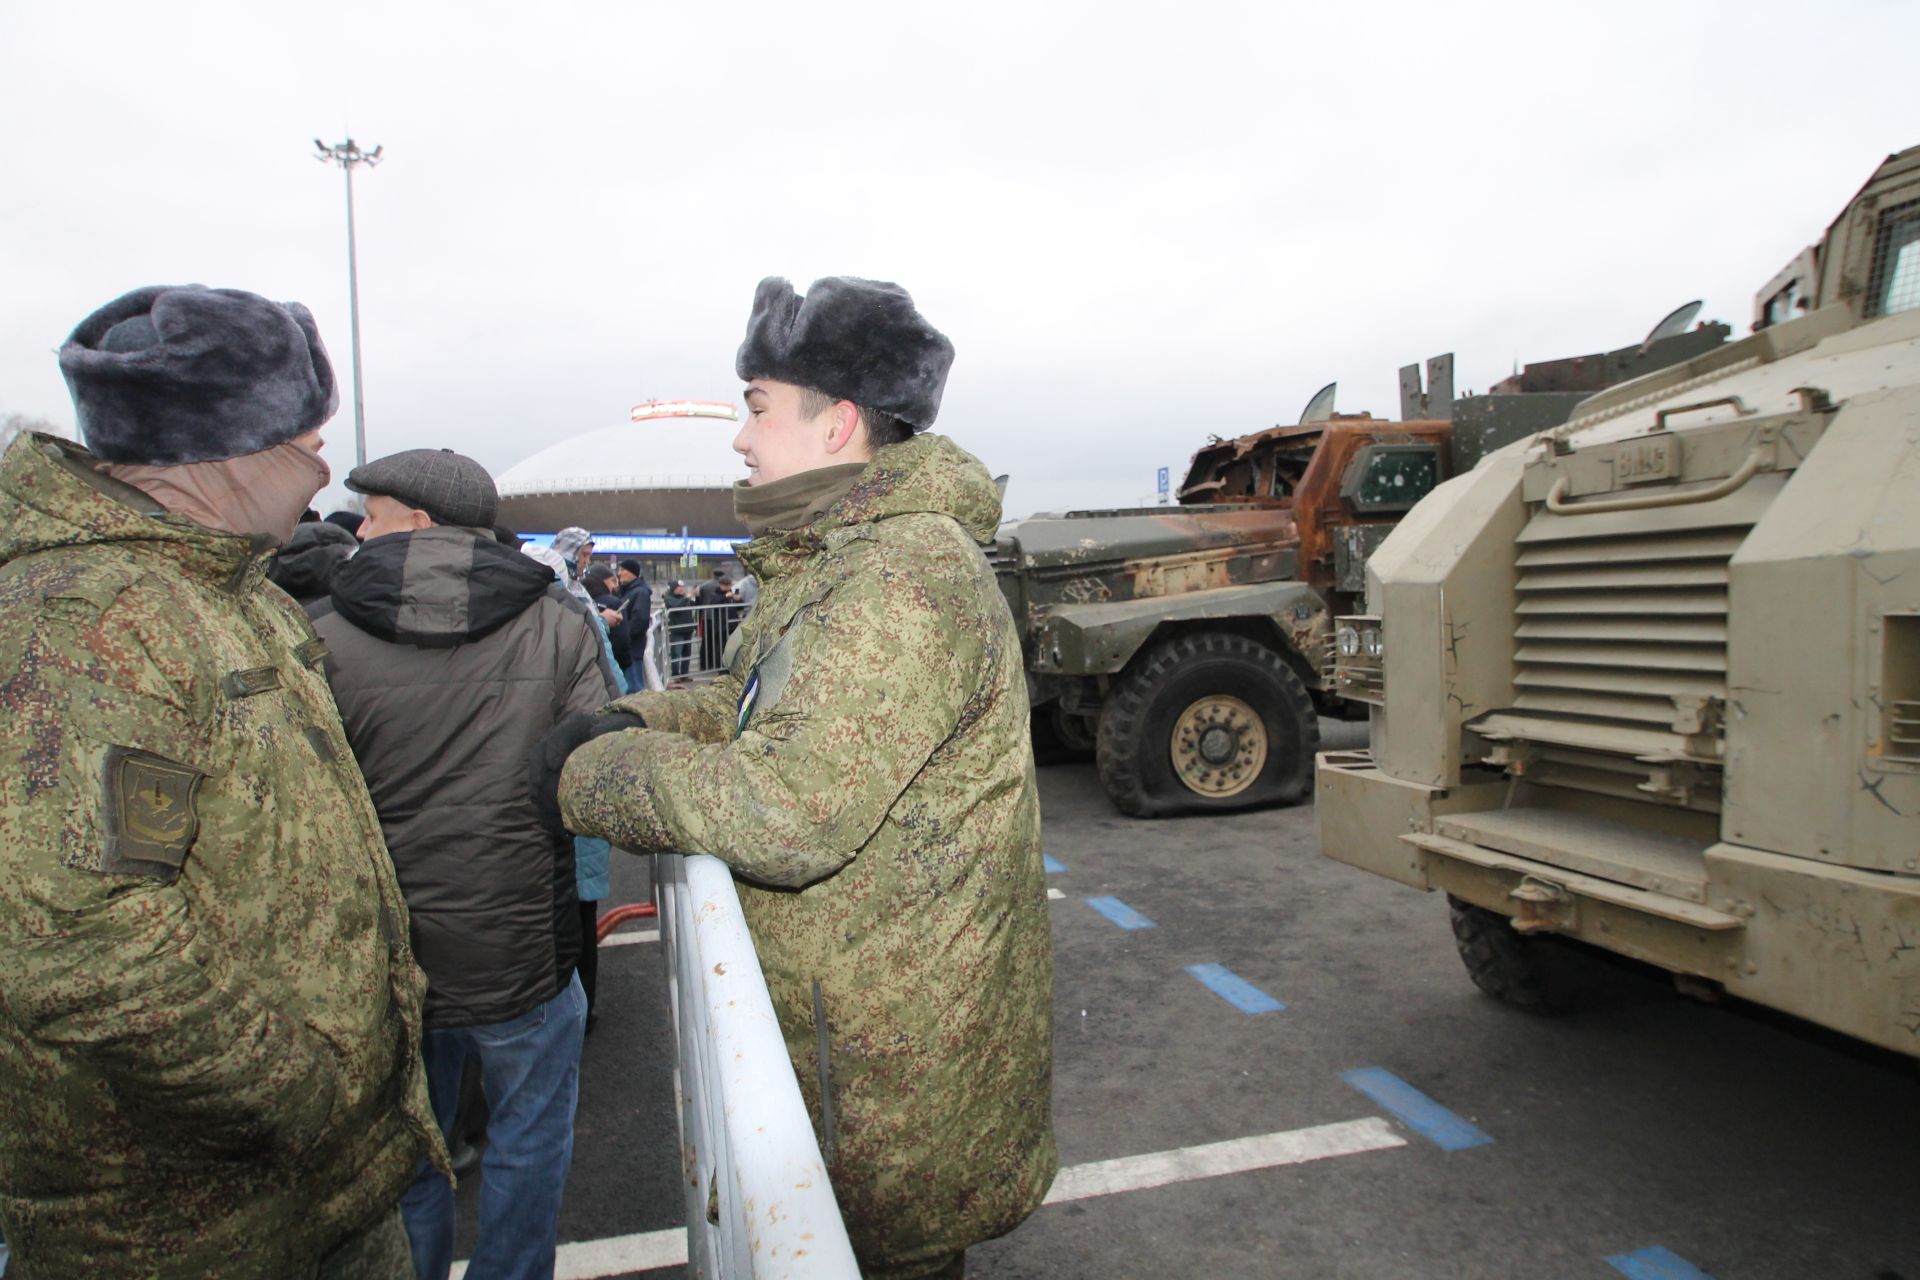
(451, 657)
(636, 601)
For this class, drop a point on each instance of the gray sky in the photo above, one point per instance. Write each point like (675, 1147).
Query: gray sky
(1140, 225)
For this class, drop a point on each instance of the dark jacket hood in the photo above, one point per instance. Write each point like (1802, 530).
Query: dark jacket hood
(304, 568)
(436, 588)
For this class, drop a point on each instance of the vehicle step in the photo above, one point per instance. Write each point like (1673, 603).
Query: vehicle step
(1657, 861)
(1665, 906)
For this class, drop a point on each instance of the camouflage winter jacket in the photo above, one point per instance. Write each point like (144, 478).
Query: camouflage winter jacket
(866, 771)
(209, 1017)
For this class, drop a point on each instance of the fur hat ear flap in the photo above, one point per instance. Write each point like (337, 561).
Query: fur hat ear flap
(168, 375)
(858, 340)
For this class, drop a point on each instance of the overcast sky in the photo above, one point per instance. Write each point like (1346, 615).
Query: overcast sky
(1139, 225)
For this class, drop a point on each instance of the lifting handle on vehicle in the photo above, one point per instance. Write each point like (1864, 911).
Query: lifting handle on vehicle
(1756, 460)
(1740, 410)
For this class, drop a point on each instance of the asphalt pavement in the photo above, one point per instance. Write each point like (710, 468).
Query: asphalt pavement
(1226, 999)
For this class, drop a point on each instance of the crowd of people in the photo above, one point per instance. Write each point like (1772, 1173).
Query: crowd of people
(305, 822)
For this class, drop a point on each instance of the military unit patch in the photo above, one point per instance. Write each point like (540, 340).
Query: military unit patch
(150, 814)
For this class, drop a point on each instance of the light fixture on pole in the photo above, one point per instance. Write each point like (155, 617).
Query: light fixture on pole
(348, 154)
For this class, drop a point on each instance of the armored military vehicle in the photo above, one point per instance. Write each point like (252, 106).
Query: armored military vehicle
(1650, 681)
(1189, 647)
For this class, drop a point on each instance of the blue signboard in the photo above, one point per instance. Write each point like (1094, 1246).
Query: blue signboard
(649, 544)
(1163, 485)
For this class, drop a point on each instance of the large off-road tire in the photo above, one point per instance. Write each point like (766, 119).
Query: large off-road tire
(1509, 966)
(1206, 723)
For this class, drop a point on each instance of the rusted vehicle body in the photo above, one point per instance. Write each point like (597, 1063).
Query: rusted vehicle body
(1188, 646)
(1649, 683)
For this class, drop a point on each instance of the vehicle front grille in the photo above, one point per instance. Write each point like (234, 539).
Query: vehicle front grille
(1623, 628)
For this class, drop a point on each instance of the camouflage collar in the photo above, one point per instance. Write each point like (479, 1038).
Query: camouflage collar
(925, 474)
(52, 496)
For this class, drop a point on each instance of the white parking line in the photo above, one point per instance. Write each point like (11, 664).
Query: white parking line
(628, 939)
(617, 1255)
(1237, 1155)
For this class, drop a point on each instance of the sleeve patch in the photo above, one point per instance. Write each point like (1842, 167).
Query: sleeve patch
(151, 814)
(310, 653)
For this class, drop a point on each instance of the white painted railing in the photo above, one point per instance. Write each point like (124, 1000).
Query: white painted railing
(758, 1200)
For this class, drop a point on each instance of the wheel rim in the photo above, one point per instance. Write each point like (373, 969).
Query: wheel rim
(1219, 746)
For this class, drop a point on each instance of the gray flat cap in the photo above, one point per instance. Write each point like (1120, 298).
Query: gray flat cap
(450, 487)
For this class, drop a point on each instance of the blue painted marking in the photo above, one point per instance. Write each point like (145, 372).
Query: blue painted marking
(1419, 1112)
(1120, 913)
(1053, 865)
(1234, 989)
(1656, 1262)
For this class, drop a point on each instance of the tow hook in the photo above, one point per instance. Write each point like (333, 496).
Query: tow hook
(1543, 906)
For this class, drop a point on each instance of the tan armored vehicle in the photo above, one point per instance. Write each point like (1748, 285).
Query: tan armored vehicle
(1651, 680)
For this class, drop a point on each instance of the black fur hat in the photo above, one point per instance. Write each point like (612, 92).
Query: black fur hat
(858, 340)
(173, 374)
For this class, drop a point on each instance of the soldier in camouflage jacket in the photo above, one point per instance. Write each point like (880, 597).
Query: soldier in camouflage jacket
(864, 767)
(209, 1015)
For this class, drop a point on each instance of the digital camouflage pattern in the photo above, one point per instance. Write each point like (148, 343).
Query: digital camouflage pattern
(866, 771)
(209, 1016)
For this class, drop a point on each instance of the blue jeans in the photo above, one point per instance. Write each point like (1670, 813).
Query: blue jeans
(530, 1070)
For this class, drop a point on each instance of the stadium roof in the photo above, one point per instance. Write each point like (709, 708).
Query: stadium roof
(669, 445)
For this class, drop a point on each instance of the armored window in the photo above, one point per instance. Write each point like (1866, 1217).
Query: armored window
(1785, 305)
(1386, 479)
(1894, 284)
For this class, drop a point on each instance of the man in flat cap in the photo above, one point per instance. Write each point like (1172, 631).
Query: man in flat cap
(865, 769)
(452, 656)
(211, 1012)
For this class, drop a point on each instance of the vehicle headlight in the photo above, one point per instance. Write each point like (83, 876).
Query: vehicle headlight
(1359, 669)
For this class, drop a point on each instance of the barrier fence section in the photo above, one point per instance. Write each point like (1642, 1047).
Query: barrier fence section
(758, 1200)
(695, 638)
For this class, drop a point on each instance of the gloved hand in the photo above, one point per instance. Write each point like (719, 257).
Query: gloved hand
(550, 757)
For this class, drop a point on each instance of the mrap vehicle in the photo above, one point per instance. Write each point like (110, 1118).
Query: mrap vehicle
(1650, 680)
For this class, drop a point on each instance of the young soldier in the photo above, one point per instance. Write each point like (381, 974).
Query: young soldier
(864, 768)
(210, 1011)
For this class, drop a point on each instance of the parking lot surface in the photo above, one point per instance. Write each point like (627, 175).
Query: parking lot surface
(1271, 1065)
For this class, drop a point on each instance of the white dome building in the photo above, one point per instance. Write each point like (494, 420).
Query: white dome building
(658, 487)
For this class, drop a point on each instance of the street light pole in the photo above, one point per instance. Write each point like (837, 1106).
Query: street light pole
(348, 154)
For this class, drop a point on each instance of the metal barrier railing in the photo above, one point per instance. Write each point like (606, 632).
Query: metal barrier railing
(696, 638)
(758, 1200)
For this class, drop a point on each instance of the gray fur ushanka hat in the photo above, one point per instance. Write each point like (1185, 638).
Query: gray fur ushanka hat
(858, 340)
(174, 374)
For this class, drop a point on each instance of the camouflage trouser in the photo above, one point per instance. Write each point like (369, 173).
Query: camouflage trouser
(378, 1253)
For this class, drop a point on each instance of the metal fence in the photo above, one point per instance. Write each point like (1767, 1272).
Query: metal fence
(758, 1200)
(695, 639)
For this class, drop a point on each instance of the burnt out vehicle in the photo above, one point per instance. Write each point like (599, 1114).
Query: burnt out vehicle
(1189, 648)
